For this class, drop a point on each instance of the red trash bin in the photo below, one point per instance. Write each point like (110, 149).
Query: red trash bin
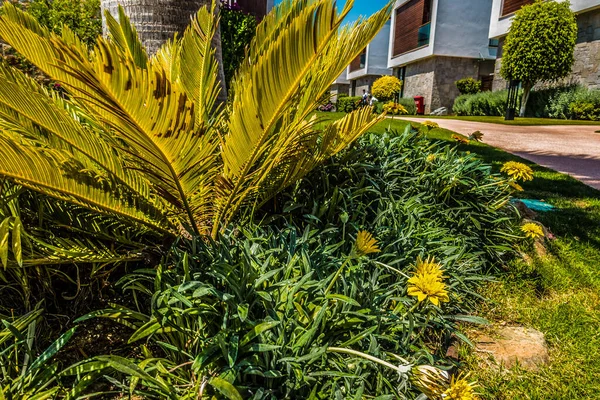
(420, 104)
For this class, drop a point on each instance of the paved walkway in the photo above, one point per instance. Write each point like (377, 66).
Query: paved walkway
(570, 149)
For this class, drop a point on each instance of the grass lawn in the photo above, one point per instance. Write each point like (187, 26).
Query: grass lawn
(557, 292)
(517, 121)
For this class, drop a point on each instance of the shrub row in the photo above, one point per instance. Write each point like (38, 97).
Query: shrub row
(482, 103)
(566, 102)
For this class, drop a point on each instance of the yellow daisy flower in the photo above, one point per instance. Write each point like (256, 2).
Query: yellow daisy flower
(460, 389)
(365, 244)
(428, 287)
(429, 267)
(430, 124)
(517, 171)
(532, 230)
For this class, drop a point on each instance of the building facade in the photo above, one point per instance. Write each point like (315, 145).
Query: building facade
(434, 43)
(258, 8)
(371, 64)
(586, 69)
(340, 86)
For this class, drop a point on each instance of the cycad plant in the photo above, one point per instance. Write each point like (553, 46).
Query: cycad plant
(139, 145)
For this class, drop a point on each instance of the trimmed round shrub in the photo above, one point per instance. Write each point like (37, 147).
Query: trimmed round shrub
(386, 88)
(348, 103)
(468, 86)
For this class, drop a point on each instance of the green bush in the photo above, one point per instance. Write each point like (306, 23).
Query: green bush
(583, 110)
(482, 103)
(409, 104)
(348, 103)
(468, 86)
(552, 102)
(262, 309)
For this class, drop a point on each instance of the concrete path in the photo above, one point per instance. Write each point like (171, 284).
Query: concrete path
(570, 149)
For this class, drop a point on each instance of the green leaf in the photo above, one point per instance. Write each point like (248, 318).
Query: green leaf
(4, 228)
(16, 241)
(243, 311)
(257, 330)
(225, 388)
(52, 349)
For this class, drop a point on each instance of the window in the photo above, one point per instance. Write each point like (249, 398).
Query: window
(413, 26)
(493, 47)
(423, 35)
(401, 74)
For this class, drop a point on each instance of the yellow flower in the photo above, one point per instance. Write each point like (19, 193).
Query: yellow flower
(428, 287)
(431, 158)
(365, 244)
(532, 230)
(430, 124)
(515, 186)
(460, 139)
(429, 267)
(460, 389)
(430, 381)
(517, 171)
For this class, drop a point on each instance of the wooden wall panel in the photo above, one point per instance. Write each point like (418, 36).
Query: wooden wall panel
(355, 64)
(409, 19)
(511, 6)
(257, 8)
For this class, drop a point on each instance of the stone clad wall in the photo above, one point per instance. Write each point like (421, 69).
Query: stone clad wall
(419, 80)
(435, 77)
(447, 71)
(364, 83)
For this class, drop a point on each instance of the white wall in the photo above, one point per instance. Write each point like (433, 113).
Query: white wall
(499, 25)
(462, 28)
(459, 28)
(377, 52)
(342, 79)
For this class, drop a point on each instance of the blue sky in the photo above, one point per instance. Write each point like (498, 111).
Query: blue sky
(361, 7)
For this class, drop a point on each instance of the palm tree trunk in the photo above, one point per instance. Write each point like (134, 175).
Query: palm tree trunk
(158, 20)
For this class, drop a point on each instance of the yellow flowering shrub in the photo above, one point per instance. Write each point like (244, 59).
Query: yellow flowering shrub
(386, 88)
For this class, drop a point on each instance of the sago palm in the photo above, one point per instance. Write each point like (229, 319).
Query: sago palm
(142, 142)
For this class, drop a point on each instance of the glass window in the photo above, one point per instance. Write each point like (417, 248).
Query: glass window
(493, 47)
(423, 35)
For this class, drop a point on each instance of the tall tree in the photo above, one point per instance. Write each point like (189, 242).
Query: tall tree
(157, 21)
(539, 45)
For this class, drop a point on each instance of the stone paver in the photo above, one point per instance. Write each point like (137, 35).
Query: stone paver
(570, 149)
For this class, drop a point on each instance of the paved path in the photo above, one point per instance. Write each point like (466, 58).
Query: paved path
(570, 149)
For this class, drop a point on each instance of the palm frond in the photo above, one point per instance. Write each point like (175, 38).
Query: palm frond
(125, 36)
(270, 137)
(142, 107)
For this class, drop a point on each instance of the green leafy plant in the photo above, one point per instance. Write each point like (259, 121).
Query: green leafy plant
(313, 304)
(482, 103)
(237, 31)
(468, 85)
(584, 110)
(348, 104)
(386, 88)
(23, 375)
(140, 143)
(540, 45)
